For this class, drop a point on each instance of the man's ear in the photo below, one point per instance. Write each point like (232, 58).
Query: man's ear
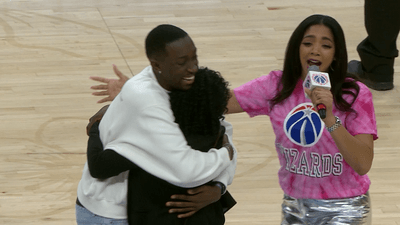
(155, 64)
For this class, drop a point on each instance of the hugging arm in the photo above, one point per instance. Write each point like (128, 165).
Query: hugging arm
(233, 104)
(199, 197)
(107, 163)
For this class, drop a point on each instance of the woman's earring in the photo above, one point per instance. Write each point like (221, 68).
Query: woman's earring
(331, 67)
(159, 72)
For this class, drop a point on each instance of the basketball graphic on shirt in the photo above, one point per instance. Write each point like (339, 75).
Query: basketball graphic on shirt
(303, 126)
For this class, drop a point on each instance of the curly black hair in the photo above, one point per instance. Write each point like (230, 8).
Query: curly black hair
(198, 110)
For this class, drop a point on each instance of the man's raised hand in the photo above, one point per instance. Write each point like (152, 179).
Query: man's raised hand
(112, 87)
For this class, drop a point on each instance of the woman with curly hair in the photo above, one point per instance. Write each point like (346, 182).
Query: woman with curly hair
(199, 114)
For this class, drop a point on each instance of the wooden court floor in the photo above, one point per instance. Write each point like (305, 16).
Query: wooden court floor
(49, 48)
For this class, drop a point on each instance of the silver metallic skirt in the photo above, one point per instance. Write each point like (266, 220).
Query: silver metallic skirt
(356, 210)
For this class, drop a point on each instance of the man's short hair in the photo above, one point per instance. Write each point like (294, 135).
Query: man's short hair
(160, 36)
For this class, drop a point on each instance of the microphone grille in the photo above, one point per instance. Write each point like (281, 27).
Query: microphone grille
(313, 68)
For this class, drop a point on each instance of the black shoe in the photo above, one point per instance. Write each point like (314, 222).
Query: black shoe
(355, 67)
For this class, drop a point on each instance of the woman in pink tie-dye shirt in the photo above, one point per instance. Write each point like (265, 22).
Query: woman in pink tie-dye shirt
(323, 171)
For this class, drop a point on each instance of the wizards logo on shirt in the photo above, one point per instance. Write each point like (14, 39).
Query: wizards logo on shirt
(320, 78)
(303, 126)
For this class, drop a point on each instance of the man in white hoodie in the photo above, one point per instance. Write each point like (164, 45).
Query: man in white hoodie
(139, 125)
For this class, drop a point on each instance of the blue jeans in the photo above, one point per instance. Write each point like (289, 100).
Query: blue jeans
(85, 217)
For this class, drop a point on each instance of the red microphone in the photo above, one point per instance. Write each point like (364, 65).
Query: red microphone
(321, 110)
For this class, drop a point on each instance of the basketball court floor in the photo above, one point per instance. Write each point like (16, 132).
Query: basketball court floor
(50, 48)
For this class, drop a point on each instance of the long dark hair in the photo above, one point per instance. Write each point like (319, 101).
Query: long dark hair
(199, 110)
(337, 71)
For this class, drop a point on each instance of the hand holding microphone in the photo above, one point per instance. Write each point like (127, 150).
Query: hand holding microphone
(316, 78)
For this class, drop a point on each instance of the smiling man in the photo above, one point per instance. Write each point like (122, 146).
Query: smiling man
(174, 68)
(139, 125)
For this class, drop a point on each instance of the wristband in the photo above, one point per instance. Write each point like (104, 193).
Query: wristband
(221, 186)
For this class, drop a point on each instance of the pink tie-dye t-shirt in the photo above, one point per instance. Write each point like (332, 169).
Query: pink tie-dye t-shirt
(311, 164)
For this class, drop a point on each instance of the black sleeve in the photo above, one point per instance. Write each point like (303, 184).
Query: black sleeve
(218, 143)
(107, 163)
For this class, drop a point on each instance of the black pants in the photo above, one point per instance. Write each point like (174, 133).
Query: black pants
(378, 50)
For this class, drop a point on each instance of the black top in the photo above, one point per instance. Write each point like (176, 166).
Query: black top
(147, 194)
